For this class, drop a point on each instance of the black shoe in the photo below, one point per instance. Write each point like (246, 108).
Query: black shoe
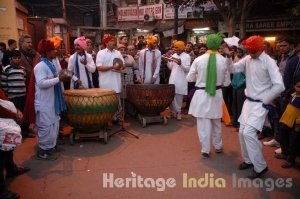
(9, 195)
(205, 155)
(255, 174)
(17, 171)
(288, 165)
(45, 155)
(280, 156)
(219, 150)
(261, 135)
(245, 165)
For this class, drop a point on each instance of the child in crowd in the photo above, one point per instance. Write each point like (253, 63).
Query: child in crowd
(289, 133)
(13, 82)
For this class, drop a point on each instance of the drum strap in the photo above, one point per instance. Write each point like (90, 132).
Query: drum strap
(78, 72)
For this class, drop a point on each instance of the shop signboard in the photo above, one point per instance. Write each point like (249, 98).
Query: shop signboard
(132, 14)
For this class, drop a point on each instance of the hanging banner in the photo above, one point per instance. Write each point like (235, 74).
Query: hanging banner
(188, 12)
(132, 14)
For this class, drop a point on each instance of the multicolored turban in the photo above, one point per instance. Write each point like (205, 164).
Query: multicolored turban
(107, 38)
(81, 41)
(180, 45)
(254, 44)
(56, 41)
(151, 40)
(44, 46)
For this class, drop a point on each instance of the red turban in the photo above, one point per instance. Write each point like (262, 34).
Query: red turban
(107, 38)
(81, 42)
(45, 46)
(254, 44)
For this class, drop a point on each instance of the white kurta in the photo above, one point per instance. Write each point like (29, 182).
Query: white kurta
(179, 72)
(47, 120)
(57, 65)
(109, 79)
(203, 105)
(146, 72)
(90, 66)
(263, 82)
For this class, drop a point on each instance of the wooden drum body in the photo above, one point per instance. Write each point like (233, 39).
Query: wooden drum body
(90, 109)
(150, 99)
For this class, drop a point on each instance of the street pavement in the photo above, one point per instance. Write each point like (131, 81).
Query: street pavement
(164, 162)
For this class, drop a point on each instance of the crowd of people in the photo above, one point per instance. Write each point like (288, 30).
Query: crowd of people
(259, 87)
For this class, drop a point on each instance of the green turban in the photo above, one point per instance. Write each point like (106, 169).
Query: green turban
(214, 41)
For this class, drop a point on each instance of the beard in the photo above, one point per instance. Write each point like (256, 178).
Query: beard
(29, 53)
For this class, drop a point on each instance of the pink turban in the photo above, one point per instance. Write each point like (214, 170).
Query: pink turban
(121, 46)
(254, 44)
(81, 42)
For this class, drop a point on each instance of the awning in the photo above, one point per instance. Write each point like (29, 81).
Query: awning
(135, 25)
(157, 26)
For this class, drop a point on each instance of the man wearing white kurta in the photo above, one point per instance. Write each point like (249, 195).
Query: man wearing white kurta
(263, 84)
(179, 69)
(48, 100)
(206, 104)
(104, 62)
(82, 65)
(149, 62)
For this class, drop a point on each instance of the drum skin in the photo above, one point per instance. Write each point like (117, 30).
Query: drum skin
(150, 99)
(90, 109)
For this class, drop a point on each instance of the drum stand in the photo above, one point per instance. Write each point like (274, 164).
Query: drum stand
(122, 128)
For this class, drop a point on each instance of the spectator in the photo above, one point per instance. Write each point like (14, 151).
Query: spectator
(10, 137)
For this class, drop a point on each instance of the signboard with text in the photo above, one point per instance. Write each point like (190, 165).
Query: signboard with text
(137, 13)
(271, 24)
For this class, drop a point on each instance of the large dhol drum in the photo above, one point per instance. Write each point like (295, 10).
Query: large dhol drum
(150, 100)
(90, 109)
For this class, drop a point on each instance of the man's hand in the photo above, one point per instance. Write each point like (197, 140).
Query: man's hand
(153, 80)
(19, 118)
(62, 76)
(78, 83)
(83, 61)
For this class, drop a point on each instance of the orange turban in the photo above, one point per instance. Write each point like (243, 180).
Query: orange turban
(56, 41)
(151, 39)
(180, 45)
(107, 38)
(254, 44)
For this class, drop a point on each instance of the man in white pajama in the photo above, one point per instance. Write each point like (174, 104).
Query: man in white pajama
(48, 102)
(179, 69)
(149, 62)
(263, 84)
(211, 72)
(108, 78)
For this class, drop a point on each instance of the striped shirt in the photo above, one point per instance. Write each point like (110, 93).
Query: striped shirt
(13, 81)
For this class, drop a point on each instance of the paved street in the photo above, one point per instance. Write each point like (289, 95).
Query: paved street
(166, 156)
